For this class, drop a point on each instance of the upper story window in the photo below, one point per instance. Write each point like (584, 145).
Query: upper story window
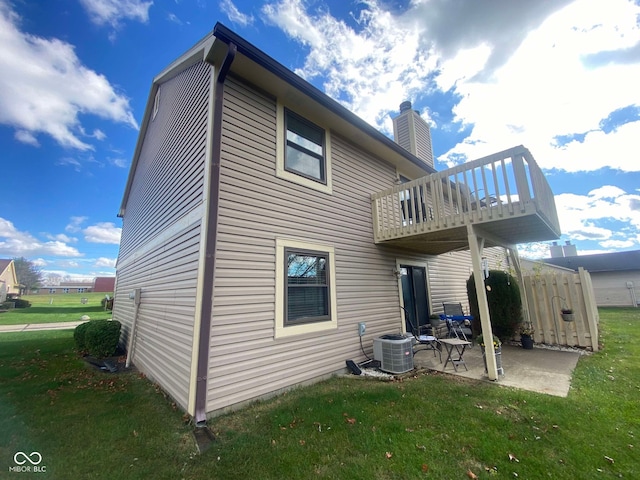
(304, 152)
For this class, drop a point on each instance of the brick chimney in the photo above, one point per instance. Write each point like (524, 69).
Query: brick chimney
(412, 133)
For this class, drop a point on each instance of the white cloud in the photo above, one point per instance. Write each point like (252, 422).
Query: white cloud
(26, 137)
(75, 223)
(371, 70)
(607, 214)
(236, 16)
(105, 262)
(522, 72)
(113, 12)
(547, 89)
(15, 243)
(103, 232)
(44, 88)
(61, 237)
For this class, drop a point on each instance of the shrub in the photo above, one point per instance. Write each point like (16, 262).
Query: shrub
(20, 303)
(79, 335)
(107, 303)
(101, 337)
(505, 304)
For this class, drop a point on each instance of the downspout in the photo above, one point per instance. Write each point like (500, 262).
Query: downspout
(211, 236)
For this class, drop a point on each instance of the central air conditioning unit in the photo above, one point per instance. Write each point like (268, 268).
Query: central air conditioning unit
(394, 352)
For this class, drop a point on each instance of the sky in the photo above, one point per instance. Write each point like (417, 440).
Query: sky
(560, 77)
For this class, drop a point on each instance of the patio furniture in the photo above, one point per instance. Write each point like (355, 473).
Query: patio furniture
(425, 339)
(459, 324)
(460, 346)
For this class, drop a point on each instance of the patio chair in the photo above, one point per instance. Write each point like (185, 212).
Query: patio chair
(458, 323)
(424, 338)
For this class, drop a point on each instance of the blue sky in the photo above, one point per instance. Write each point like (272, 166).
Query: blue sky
(559, 77)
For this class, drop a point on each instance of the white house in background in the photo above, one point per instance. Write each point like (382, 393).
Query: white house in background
(262, 222)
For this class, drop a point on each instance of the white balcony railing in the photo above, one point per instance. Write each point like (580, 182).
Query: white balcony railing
(502, 186)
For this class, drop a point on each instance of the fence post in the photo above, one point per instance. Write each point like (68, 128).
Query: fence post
(590, 306)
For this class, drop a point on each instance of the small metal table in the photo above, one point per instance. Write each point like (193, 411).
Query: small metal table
(460, 346)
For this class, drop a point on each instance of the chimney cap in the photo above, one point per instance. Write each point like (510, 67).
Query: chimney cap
(404, 106)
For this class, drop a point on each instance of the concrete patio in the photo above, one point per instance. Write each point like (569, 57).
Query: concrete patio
(540, 370)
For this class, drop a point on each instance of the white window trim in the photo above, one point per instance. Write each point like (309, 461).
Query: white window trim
(281, 172)
(286, 331)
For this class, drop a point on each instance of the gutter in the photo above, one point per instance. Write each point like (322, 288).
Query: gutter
(206, 309)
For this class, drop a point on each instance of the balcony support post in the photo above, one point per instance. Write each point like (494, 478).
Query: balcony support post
(476, 245)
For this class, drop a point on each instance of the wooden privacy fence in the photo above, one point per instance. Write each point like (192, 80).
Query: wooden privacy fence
(548, 294)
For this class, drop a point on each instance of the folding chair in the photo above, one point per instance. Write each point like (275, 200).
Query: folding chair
(458, 323)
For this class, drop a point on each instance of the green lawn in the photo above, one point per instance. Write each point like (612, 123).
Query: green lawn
(56, 308)
(87, 424)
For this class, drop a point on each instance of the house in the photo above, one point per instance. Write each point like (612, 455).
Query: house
(64, 288)
(615, 276)
(263, 221)
(8, 279)
(104, 284)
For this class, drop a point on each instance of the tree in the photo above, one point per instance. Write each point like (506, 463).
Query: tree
(29, 275)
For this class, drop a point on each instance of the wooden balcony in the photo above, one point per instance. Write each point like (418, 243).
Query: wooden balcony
(505, 196)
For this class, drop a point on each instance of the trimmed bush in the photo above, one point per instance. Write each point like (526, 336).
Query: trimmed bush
(20, 303)
(79, 336)
(101, 337)
(505, 304)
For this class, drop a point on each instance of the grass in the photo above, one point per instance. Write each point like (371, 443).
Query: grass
(56, 308)
(87, 424)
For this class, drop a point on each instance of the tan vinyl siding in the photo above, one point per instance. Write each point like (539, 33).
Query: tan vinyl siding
(160, 245)
(169, 176)
(611, 290)
(256, 207)
(167, 276)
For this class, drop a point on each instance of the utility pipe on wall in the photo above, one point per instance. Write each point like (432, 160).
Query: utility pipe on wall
(135, 296)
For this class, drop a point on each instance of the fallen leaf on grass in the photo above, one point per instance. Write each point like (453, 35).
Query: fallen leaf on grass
(421, 447)
(388, 455)
(302, 442)
(135, 434)
(350, 421)
(471, 475)
(425, 468)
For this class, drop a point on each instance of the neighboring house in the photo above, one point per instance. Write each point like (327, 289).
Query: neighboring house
(64, 287)
(262, 221)
(8, 279)
(615, 276)
(104, 284)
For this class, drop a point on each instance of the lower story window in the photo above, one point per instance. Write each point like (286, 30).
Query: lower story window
(305, 288)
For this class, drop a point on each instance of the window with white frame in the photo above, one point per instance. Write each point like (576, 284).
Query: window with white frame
(305, 288)
(303, 151)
